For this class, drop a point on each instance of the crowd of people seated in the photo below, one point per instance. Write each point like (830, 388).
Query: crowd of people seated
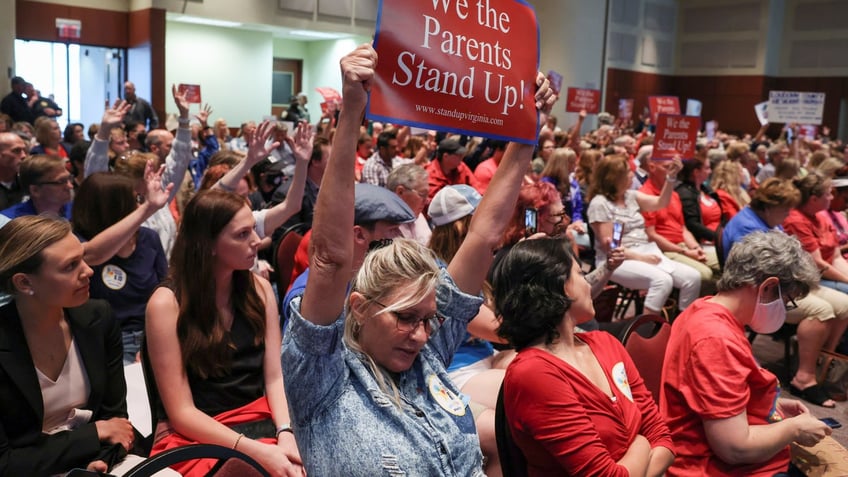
(435, 271)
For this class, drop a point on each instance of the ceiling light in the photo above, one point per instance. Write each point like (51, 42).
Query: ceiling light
(317, 34)
(207, 21)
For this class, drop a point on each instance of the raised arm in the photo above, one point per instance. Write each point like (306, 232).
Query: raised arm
(106, 244)
(652, 203)
(277, 215)
(97, 157)
(331, 257)
(471, 262)
(176, 164)
(257, 149)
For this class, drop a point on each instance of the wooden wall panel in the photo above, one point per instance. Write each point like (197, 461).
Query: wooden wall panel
(37, 21)
(728, 99)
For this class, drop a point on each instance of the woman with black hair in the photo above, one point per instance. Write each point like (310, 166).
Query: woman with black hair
(591, 412)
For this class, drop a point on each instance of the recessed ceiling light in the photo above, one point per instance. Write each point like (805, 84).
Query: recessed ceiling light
(207, 21)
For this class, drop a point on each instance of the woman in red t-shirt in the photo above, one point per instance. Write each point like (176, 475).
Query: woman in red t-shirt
(810, 224)
(725, 409)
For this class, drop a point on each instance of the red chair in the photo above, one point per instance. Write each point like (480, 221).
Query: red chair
(284, 256)
(645, 338)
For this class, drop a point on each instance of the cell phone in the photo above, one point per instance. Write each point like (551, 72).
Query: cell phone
(617, 228)
(831, 422)
(530, 216)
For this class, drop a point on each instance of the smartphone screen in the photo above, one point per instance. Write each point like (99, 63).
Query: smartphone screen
(831, 422)
(530, 216)
(616, 234)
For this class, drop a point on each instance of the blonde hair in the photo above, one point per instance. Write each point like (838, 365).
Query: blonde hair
(404, 270)
(133, 166)
(727, 176)
(21, 242)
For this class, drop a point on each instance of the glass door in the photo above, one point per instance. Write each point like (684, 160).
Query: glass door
(81, 79)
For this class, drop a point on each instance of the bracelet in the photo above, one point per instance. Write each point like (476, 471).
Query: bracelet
(671, 179)
(284, 428)
(237, 441)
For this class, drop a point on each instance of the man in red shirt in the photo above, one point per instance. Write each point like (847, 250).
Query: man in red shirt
(448, 169)
(486, 169)
(667, 228)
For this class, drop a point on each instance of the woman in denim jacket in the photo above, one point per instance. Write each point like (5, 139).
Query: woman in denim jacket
(365, 373)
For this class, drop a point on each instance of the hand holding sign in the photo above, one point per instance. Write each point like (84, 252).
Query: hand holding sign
(545, 98)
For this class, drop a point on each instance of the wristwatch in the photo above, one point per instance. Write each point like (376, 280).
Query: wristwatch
(284, 428)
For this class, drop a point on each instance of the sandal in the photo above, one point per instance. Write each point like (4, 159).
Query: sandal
(814, 394)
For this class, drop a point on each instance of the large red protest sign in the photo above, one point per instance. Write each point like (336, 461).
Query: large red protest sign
(580, 99)
(663, 105)
(457, 65)
(676, 136)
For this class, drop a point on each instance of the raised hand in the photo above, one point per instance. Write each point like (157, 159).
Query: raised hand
(358, 74)
(674, 167)
(544, 97)
(155, 196)
(302, 141)
(258, 147)
(180, 101)
(114, 116)
(203, 114)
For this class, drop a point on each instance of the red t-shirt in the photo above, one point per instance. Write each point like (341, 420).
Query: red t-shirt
(565, 425)
(710, 373)
(710, 212)
(813, 233)
(669, 221)
(301, 257)
(729, 206)
(484, 173)
(438, 179)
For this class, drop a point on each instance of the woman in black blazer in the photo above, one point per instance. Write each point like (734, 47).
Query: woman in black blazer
(49, 325)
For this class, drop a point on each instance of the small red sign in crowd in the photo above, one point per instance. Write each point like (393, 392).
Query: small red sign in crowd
(676, 136)
(580, 99)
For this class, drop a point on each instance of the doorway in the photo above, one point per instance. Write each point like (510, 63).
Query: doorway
(81, 79)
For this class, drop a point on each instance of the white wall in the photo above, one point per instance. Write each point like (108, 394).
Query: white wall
(233, 68)
(7, 45)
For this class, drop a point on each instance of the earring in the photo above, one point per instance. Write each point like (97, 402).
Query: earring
(31, 292)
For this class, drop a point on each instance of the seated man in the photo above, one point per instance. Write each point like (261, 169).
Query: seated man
(448, 169)
(378, 214)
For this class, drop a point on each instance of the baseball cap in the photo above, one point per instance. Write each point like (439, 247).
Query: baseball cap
(451, 146)
(377, 204)
(452, 203)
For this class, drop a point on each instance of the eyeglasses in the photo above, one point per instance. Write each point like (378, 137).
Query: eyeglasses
(62, 181)
(407, 322)
(790, 304)
(422, 194)
(556, 218)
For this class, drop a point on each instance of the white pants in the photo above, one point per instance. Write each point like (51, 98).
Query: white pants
(659, 280)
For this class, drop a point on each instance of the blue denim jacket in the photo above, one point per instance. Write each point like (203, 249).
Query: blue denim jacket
(345, 425)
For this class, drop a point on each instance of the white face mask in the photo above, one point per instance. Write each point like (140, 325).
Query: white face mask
(768, 317)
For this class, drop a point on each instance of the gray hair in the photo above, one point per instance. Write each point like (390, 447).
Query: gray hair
(406, 175)
(760, 255)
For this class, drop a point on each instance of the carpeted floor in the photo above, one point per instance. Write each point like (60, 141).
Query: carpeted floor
(770, 353)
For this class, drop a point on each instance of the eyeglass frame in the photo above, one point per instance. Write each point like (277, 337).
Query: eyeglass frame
(433, 322)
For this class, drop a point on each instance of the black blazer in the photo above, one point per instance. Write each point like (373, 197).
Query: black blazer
(690, 199)
(24, 450)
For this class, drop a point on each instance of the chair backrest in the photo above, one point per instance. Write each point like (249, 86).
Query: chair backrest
(645, 339)
(284, 255)
(152, 395)
(513, 462)
(719, 246)
(226, 461)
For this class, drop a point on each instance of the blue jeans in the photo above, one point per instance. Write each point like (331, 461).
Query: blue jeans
(132, 345)
(838, 286)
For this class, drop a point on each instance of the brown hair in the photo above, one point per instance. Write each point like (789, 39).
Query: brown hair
(204, 342)
(21, 242)
(774, 192)
(813, 184)
(559, 166)
(133, 166)
(101, 201)
(446, 239)
(34, 168)
(608, 174)
(586, 165)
